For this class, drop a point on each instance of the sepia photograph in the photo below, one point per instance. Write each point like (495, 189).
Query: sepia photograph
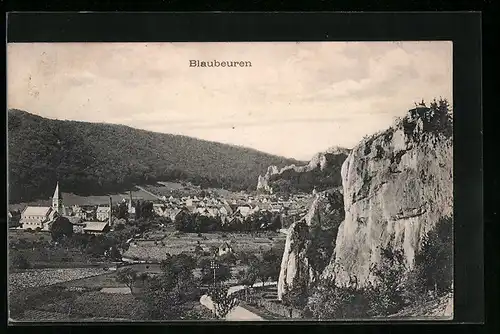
(230, 181)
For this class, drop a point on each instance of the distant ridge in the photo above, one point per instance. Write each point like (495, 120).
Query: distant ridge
(96, 158)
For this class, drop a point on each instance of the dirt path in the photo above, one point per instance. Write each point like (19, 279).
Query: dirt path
(239, 313)
(148, 192)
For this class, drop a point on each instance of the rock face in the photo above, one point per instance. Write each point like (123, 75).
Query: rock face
(310, 241)
(323, 166)
(397, 184)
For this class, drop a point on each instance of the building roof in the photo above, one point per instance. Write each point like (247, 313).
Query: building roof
(37, 210)
(95, 226)
(57, 192)
(103, 209)
(74, 220)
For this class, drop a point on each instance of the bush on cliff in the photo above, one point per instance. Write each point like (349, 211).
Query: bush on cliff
(329, 301)
(383, 297)
(432, 273)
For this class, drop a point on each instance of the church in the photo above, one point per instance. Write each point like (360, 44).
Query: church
(41, 217)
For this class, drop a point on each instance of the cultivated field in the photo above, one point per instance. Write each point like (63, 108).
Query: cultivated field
(176, 243)
(107, 280)
(44, 277)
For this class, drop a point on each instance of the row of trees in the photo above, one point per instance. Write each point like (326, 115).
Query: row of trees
(197, 223)
(395, 286)
(143, 209)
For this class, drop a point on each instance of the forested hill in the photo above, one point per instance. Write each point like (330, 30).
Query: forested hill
(95, 158)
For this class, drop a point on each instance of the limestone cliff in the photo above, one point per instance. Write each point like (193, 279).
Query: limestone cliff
(396, 186)
(322, 172)
(310, 241)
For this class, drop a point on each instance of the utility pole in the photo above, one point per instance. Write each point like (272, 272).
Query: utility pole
(214, 265)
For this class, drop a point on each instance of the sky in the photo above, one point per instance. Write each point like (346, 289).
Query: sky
(297, 98)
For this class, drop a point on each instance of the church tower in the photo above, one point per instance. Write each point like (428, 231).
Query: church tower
(57, 201)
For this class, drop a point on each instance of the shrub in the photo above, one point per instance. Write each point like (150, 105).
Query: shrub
(19, 261)
(332, 302)
(433, 266)
(389, 282)
(223, 302)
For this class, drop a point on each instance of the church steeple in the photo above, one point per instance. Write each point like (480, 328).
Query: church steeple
(57, 203)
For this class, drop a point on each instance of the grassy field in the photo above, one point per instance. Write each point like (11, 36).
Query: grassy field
(16, 235)
(107, 280)
(176, 243)
(43, 277)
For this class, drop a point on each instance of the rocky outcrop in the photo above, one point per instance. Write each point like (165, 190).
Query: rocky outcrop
(321, 172)
(397, 184)
(310, 241)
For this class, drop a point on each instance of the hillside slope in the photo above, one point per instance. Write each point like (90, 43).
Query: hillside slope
(95, 158)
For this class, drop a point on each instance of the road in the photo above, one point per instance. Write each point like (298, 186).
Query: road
(148, 192)
(238, 313)
(241, 287)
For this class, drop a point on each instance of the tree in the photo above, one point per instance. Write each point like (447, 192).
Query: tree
(441, 117)
(166, 296)
(178, 264)
(127, 276)
(114, 254)
(433, 266)
(267, 267)
(296, 296)
(222, 273)
(122, 211)
(61, 228)
(223, 302)
(389, 277)
(248, 276)
(184, 222)
(329, 301)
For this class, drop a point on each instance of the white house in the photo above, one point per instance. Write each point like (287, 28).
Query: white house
(225, 248)
(40, 217)
(244, 210)
(102, 213)
(37, 217)
(96, 227)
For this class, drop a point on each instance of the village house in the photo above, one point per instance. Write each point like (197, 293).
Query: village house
(77, 223)
(224, 249)
(96, 228)
(86, 212)
(244, 210)
(40, 217)
(37, 217)
(160, 209)
(102, 213)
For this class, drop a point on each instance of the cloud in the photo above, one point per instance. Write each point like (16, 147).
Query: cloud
(296, 98)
